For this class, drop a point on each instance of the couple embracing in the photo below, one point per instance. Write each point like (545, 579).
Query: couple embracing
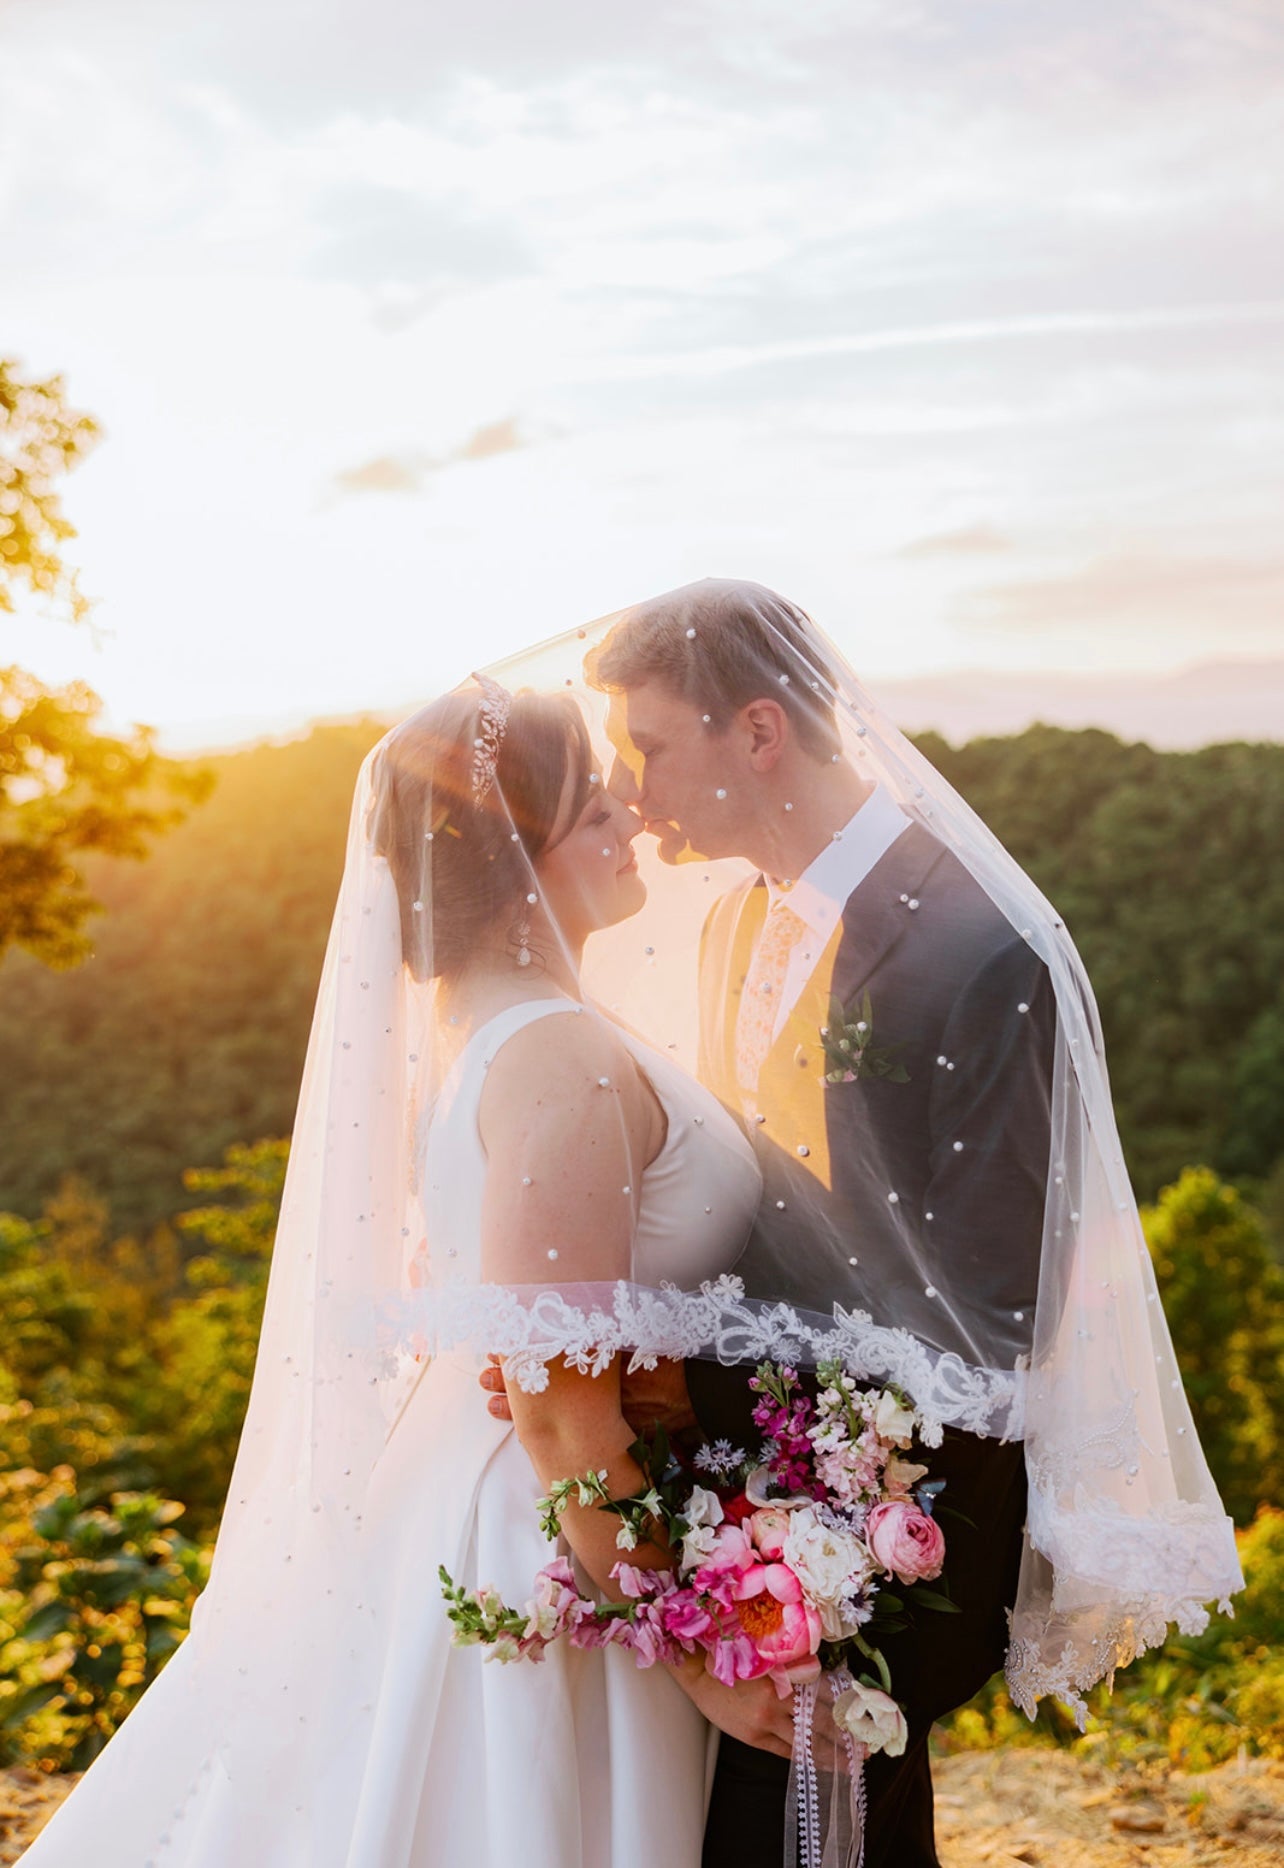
(677, 1019)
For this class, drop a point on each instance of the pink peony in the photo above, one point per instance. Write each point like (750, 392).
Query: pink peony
(904, 1542)
(784, 1628)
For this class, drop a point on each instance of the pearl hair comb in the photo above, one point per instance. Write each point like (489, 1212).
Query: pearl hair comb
(496, 701)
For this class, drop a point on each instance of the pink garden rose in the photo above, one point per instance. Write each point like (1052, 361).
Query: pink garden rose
(768, 1529)
(904, 1541)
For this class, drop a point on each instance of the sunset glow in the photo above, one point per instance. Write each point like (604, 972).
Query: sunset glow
(418, 333)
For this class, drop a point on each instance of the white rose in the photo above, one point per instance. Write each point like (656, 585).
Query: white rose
(826, 1562)
(873, 1719)
(892, 1421)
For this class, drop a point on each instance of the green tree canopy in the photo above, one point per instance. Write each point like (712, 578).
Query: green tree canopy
(1224, 1300)
(66, 789)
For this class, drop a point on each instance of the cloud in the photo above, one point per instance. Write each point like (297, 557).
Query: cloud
(409, 472)
(969, 539)
(385, 474)
(1147, 595)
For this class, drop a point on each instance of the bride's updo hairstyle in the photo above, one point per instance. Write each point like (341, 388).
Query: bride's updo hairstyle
(462, 867)
(717, 651)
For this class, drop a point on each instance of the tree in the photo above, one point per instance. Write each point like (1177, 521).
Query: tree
(66, 789)
(1224, 1300)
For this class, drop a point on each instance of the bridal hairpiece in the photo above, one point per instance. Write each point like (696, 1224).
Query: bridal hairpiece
(494, 709)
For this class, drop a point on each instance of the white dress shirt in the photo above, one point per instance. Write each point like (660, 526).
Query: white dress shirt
(820, 894)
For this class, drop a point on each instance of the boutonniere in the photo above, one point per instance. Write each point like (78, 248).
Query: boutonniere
(850, 1051)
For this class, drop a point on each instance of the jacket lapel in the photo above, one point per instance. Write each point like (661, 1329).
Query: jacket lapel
(878, 914)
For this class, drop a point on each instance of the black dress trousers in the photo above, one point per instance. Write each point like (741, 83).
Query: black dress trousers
(937, 1664)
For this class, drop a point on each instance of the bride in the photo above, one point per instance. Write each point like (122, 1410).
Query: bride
(318, 1713)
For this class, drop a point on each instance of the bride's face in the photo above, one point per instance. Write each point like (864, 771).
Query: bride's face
(588, 876)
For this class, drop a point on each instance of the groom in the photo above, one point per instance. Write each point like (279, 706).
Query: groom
(913, 1188)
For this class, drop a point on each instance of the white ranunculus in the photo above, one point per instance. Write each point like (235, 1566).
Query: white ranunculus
(873, 1718)
(825, 1560)
(892, 1421)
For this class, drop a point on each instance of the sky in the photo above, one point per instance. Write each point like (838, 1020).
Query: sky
(422, 331)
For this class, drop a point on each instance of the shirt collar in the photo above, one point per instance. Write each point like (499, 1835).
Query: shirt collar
(820, 893)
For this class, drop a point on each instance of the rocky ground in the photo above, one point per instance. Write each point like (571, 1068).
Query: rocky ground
(994, 1809)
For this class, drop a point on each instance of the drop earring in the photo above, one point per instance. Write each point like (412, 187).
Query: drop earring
(524, 941)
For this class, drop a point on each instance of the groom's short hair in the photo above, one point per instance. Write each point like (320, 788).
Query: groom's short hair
(720, 645)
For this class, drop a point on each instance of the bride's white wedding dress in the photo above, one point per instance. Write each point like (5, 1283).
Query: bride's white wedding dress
(445, 1760)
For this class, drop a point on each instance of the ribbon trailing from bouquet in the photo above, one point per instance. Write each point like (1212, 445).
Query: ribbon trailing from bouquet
(825, 1817)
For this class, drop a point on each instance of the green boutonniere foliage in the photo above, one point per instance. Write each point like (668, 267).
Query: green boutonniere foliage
(850, 1051)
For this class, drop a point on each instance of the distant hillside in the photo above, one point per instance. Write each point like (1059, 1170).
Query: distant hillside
(1201, 706)
(187, 1029)
(1205, 705)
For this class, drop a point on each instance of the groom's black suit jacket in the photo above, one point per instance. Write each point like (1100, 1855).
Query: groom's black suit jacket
(947, 977)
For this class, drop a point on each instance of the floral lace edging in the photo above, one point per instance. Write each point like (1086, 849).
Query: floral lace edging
(1031, 1674)
(1135, 1577)
(663, 1322)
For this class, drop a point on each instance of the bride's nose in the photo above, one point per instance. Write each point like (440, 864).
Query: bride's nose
(627, 823)
(622, 782)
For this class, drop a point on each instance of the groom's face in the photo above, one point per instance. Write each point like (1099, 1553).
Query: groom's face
(670, 766)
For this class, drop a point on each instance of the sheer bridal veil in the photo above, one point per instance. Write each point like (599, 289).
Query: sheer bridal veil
(1034, 1314)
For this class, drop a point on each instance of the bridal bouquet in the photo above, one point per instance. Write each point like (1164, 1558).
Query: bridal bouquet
(787, 1563)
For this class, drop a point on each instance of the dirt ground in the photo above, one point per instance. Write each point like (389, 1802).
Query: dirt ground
(994, 1809)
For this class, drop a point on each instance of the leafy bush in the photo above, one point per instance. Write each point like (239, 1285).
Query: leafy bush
(94, 1598)
(1223, 1297)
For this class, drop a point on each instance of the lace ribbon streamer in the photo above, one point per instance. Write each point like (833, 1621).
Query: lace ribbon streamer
(825, 1807)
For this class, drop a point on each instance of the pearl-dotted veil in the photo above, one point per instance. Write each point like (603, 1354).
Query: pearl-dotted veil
(977, 1243)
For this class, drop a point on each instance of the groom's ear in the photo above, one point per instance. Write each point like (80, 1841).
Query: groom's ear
(766, 725)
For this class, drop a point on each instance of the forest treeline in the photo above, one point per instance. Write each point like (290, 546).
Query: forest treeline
(185, 1032)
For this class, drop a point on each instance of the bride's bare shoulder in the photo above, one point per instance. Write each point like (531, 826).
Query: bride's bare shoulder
(560, 1072)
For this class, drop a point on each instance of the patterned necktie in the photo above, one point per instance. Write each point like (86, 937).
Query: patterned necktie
(764, 983)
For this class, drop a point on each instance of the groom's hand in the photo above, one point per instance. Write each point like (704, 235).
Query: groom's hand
(650, 1397)
(492, 1380)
